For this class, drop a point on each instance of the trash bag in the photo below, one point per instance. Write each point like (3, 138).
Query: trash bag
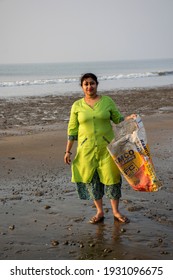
(130, 152)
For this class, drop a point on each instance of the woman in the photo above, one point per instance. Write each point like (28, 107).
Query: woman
(93, 168)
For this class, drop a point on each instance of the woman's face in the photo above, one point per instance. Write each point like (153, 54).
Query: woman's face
(89, 87)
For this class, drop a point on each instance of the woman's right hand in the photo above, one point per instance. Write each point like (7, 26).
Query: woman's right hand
(67, 158)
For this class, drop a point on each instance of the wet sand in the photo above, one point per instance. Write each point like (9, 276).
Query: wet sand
(41, 216)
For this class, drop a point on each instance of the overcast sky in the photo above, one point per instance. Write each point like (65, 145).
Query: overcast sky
(80, 30)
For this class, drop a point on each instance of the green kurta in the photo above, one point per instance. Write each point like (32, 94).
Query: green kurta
(93, 129)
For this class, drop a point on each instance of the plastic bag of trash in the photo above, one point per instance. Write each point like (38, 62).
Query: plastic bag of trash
(131, 153)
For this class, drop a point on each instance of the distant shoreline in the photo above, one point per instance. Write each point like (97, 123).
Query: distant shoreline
(79, 93)
(64, 78)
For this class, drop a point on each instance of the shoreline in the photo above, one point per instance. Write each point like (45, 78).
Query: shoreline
(41, 215)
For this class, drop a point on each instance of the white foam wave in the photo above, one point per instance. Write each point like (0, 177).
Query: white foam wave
(128, 76)
(38, 82)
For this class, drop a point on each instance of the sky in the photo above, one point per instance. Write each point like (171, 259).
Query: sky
(79, 30)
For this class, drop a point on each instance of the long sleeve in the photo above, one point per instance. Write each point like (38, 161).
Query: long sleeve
(73, 124)
(116, 116)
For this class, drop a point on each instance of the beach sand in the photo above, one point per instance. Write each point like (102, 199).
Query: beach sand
(41, 215)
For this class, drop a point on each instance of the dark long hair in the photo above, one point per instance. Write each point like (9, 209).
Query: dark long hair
(88, 75)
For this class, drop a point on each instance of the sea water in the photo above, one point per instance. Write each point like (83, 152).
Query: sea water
(64, 78)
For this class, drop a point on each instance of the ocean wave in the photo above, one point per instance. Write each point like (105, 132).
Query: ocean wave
(40, 82)
(165, 73)
(37, 82)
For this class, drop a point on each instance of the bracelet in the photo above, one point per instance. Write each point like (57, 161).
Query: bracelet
(67, 152)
